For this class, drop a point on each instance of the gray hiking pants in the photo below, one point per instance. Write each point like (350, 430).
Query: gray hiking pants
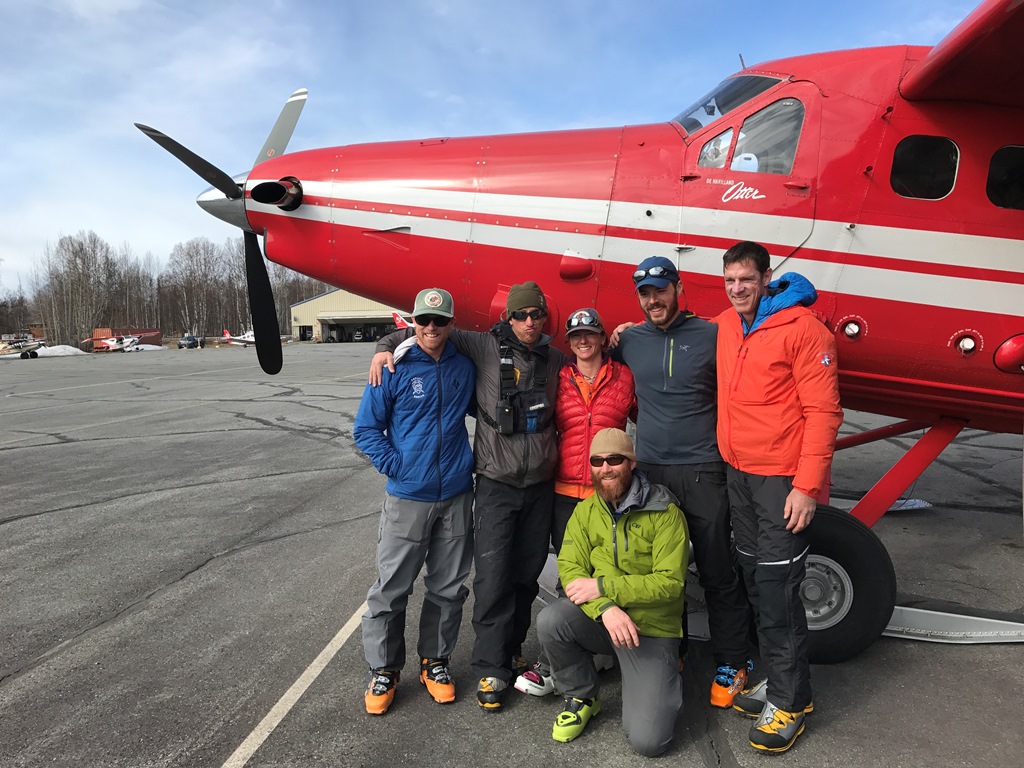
(652, 692)
(414, 533)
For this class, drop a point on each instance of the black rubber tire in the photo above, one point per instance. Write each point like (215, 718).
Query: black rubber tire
(848, 557)
(33, 354)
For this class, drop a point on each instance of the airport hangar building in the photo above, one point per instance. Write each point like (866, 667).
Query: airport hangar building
(338, 316)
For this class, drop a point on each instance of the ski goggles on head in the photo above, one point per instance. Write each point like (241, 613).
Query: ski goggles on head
(584, 320)
(663, 273)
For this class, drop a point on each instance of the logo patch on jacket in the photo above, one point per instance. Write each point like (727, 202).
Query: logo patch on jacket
(417, 388)
(826, 359)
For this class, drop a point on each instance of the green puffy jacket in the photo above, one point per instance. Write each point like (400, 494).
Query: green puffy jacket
(639, 560)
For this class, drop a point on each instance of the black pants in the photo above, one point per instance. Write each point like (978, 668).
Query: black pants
(512, 528)
(564, 507)
(773, 561)
(701, 491)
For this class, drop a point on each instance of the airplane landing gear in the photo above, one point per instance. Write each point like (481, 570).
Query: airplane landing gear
(850, 589)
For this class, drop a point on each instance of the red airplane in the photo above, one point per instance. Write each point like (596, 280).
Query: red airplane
(893, 178)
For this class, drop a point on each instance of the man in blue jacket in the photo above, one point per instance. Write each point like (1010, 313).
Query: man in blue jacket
(413, 428)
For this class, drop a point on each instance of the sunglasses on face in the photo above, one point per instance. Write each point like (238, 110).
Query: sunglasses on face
(521, 314)
(437, 320)
(663, 272)
(613, 461)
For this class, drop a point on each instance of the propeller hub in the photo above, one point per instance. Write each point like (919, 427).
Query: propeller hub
(231, 211)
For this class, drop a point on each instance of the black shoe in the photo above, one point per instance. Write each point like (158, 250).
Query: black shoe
(490, 693)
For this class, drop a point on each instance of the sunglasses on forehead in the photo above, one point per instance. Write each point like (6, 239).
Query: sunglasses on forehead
(437, 320)
(665, 272)
(582, 320)
(521, 314)
(613, 461)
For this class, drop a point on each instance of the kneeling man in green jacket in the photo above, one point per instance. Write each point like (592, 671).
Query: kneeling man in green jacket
(623, 563)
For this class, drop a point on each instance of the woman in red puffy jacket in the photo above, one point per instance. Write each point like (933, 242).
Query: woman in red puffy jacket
(594, 392)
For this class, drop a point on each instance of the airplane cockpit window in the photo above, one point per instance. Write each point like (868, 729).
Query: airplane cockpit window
(924, 167)
(714, 151)
(769, 138)
(1005, 186)
(729, 94)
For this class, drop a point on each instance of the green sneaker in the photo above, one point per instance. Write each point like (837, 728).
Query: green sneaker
(574, 718)
(751, 702)
(776, 729)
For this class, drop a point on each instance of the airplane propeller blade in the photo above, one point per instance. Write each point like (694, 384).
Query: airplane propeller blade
(261, 304)
(208, 171)
(281, 133)
(261, 298)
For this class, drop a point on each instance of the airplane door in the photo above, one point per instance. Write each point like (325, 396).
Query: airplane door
(751, 176)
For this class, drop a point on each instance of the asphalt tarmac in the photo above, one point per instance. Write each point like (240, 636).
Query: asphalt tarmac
(185, 544)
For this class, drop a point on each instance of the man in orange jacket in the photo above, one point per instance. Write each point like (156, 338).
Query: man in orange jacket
(778, 415)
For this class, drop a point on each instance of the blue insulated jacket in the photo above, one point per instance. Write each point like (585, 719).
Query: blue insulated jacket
(413, 426)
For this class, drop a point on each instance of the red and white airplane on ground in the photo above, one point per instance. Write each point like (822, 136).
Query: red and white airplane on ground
(893, 178)
(115, 343)
(247, 339)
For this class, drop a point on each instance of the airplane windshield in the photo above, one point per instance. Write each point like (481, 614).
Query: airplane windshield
(728, 95)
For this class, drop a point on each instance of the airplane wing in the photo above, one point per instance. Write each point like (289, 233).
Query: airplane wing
(979, 61)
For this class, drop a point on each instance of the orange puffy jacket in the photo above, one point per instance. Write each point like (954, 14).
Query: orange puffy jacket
(778, 397)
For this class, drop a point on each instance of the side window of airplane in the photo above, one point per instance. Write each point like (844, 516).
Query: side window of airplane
(1005, 186)
(769, 138)
(924, 167)
(714, 152)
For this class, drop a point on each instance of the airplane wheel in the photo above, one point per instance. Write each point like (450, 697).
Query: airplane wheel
(850, 589)
(24, 355)
(33, 354)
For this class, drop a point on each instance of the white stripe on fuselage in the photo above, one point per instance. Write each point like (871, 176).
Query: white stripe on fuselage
(383, 202)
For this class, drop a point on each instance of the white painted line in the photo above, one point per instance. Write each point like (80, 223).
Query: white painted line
(274, 717)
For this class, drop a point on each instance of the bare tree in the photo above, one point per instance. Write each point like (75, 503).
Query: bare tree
(70, 288)
(194, 275)
(15, 311)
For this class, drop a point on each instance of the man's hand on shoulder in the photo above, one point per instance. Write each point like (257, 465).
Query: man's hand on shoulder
(377, 367)
(799, 510)
(582, 590)
(620, 628)
(613, 340)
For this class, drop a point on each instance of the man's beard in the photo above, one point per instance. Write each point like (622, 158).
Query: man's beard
(613, 491)
(670, 307)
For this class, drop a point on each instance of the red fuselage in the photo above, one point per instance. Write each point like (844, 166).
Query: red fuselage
(922, 292)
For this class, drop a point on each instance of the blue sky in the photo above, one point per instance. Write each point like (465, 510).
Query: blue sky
(213, 74)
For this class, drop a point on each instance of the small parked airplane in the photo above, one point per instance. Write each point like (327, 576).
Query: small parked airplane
(23, 348)
(115, 344)
(247, 339)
